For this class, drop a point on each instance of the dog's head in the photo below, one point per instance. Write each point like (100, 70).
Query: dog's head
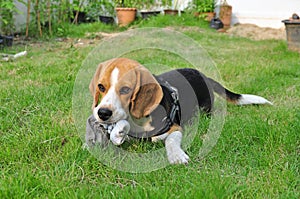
(121, 88)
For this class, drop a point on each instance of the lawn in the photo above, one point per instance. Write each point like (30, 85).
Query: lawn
(257, 154)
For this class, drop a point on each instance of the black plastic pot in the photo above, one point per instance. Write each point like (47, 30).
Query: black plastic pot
(216, 24)
(147, 14)
(106, 19)
(6, 41)
(292, 28)
(82, 18)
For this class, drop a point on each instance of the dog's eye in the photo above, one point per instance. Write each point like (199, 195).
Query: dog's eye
(101, 87)
(125, 90)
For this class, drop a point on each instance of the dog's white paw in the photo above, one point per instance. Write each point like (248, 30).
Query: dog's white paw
(177, 156)
(119, 132)
(174, 152)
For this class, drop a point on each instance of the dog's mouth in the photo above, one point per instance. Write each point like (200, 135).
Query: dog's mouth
(111, 121)
(107, 123)
(108, 126)
(108, 116)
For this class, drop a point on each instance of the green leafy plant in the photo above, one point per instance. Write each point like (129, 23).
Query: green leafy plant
(166, 3)
(147, 4)
(78, 9)
(7, 10)
(126, 3)
(107, 8)
(171, 4)
(45, 16)
(202, 6)
(63, 11)
(95, 8)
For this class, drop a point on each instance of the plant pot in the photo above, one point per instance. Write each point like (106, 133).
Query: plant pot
(147, 14)
(6, 41)
(208, 16)
(225, 15)
(81, 17)
(125, 16)
(292, 28)
(171, 12)
(216, 24)
(106, 19)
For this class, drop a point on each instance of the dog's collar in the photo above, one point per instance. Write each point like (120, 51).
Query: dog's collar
(172, 107)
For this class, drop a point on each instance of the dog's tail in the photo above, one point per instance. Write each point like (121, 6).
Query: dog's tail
(235, 98)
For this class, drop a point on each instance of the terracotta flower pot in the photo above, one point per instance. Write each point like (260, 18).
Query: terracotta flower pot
(171, 12)
(225, 15)
(125, 16)
(208, 16)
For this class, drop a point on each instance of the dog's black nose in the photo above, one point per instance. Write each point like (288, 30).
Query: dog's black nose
(104, 113)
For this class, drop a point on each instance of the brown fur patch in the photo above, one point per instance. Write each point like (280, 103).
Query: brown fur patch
(174, 128)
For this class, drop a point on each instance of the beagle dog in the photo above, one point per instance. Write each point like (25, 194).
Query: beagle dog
(131, 102)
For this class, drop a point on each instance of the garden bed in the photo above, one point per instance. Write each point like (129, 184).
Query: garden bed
(257, 33)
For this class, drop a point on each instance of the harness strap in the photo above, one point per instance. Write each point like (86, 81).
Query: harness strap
(173, 115)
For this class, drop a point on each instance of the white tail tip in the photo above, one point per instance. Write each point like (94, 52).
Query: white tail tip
(252, 99)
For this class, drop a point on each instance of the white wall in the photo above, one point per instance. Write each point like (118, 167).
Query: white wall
(264, 13)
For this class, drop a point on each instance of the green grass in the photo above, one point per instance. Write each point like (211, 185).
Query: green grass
(257, 154)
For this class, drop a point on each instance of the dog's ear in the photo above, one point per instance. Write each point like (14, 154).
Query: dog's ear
(95, 80)
(93, 86)
(147, 94)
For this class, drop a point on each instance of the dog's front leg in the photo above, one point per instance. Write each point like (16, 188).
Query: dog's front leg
(173, 146)
(119, 132)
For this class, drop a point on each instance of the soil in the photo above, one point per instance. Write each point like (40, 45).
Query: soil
(257, 33)
(244, 30)
(241, 30)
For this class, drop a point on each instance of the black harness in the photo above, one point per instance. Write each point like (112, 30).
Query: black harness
(170, 103)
